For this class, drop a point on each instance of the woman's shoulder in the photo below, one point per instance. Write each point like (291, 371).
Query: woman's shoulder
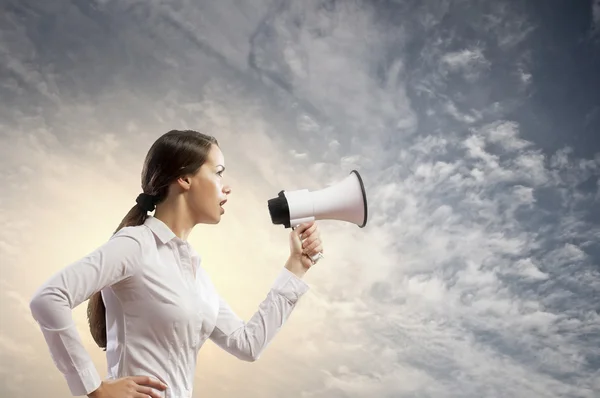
(140, 233)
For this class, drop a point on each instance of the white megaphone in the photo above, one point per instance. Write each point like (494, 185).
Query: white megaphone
(344, 201)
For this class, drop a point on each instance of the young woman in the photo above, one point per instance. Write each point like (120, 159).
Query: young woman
(152, 305)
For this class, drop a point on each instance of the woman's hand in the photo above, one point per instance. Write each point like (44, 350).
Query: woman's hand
(129, 387)
(305, 242)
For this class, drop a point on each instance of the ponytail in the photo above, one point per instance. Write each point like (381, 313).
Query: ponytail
(96, 311)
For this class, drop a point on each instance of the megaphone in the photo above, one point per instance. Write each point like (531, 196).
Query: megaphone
(344, 201)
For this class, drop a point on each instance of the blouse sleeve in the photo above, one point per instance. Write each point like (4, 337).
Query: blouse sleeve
(247, 341)
(53, 301)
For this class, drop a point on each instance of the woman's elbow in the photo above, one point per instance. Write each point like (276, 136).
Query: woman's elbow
(38, 304)
(248, 353)
(43, 303)
(255, 352)
(249, 357)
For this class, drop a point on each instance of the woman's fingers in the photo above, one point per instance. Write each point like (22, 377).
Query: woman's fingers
(309, 230)
(311, 247)
(146, 386)
(148, 392)
(309, 243)
(149, 382)
(304, 228)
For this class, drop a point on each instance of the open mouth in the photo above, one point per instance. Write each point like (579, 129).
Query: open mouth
(223, 202)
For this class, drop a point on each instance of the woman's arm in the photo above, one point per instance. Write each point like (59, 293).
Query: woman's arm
(52, 303)
(248, 340)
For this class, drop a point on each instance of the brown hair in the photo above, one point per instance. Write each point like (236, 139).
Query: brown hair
(172, 155)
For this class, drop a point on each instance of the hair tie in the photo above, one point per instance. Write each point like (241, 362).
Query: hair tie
(146, 201)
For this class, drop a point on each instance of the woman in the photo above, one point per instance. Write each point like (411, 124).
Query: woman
(152, 305)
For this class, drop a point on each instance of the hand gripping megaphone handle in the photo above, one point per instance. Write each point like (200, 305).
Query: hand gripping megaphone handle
(317, 256)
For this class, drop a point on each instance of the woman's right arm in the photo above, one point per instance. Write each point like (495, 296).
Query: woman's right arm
(52, 304)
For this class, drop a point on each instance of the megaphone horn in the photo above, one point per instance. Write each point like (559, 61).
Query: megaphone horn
(344, 201)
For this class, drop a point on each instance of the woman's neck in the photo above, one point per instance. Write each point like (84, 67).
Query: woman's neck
(175, 214)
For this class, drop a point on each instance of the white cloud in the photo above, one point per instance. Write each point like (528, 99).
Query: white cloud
(450, 108)
(474, 268)
(505, 133)
(525, 77)
(465, 59)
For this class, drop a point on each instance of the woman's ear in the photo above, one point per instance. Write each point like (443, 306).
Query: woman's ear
(184, 182)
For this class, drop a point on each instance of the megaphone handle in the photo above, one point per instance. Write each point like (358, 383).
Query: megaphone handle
(317, 256)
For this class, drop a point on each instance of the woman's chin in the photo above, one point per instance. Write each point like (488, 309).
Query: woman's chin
(211, 219)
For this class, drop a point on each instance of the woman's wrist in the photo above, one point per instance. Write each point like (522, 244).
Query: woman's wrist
(295, 266)
(96, 393)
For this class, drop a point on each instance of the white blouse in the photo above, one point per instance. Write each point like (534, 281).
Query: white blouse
(160, 309)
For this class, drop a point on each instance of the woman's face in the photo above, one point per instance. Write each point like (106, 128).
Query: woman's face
(207, 190)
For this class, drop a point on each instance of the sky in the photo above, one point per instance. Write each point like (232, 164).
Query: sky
(474, 125)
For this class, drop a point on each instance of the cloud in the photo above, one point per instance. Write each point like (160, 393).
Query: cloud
(464, 212)
(595, 16)
(506, 134)
(474, 275)
(469, 62)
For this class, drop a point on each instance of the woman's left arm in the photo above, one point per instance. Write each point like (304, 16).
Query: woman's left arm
(247, 340)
